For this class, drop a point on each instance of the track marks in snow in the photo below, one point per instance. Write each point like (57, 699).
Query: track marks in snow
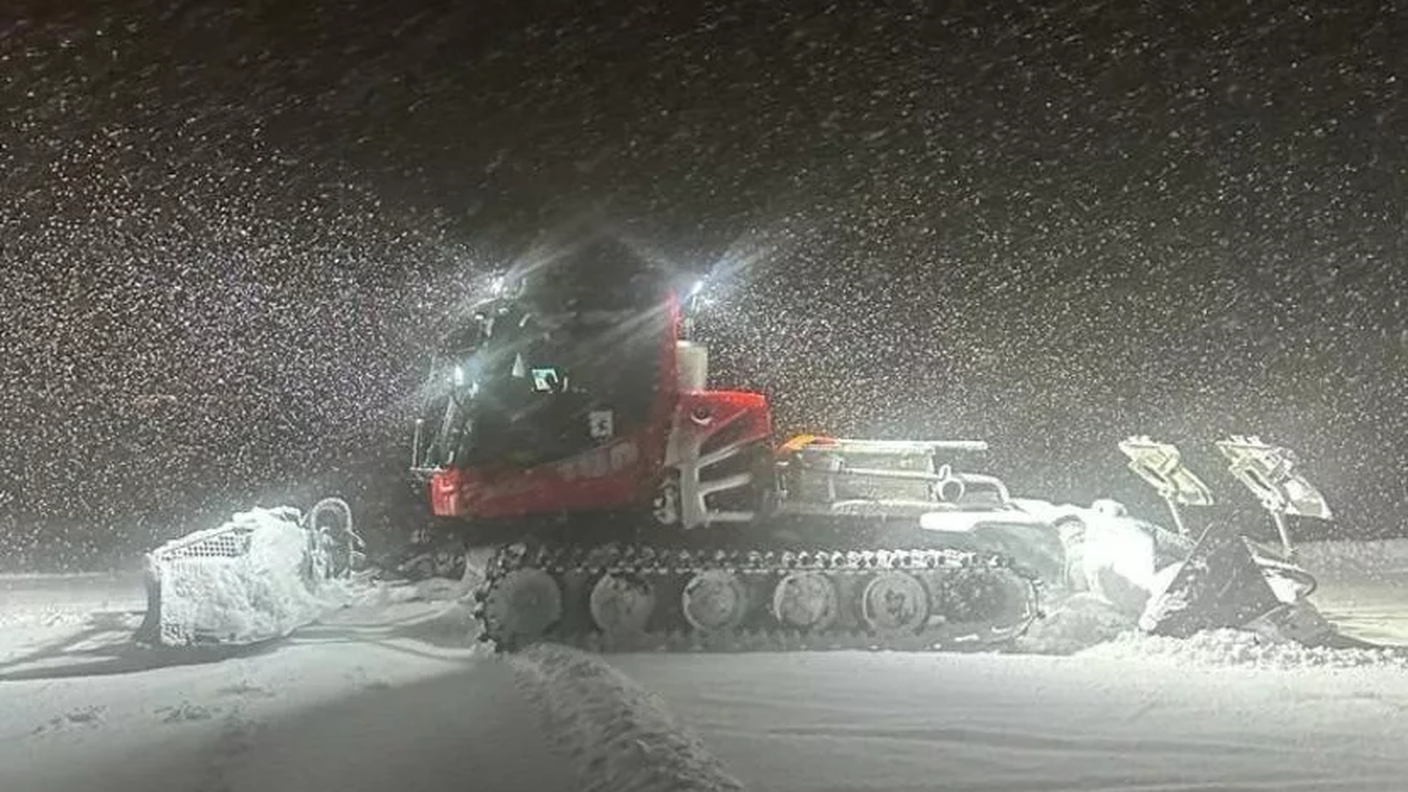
(619, 736)
(81, 717)
(1024, 740)
(246, 689)
(230, 750)
(186, 712)
(889, 721)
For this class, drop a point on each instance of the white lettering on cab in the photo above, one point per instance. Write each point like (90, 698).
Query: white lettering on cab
(600, 462)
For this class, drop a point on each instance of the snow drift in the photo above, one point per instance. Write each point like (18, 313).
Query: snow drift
(618, 735)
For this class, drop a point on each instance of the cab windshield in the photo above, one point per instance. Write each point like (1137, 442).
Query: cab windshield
(541, 387)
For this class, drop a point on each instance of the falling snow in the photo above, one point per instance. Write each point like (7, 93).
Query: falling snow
(228, 235)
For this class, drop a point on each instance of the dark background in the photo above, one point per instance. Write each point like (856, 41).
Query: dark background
(227, 234)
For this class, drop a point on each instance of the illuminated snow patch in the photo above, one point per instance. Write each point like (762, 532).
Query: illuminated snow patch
(1241, 648)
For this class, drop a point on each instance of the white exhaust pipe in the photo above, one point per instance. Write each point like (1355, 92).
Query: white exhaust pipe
(692, 362)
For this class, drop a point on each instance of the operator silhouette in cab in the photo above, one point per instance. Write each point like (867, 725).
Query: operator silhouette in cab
(578, 334)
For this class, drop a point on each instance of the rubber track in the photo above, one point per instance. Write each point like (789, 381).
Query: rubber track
(957, 573)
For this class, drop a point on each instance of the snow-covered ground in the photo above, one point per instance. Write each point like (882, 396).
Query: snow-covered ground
(908, 722)
(1364, 586)
(393, 693)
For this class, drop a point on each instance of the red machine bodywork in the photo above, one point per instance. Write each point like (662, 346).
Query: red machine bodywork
(621, 474)
(610, 477)
(704, 414)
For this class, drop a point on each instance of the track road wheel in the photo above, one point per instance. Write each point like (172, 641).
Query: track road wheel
(713, 601)
(894, 602)
(521, 607)
(621, 605)
(806, 600)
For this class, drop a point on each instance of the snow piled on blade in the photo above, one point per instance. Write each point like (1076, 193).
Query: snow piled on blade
(618, 734)
(1240, 648)
(248, 580)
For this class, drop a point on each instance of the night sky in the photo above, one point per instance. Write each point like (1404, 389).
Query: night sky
(228, 236)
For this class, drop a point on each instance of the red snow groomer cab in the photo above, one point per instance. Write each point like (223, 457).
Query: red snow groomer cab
(579, 399)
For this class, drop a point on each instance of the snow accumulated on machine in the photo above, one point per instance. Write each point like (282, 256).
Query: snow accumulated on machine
(633, 507)
(259, 576)
(1171, 581)
(1229, 578)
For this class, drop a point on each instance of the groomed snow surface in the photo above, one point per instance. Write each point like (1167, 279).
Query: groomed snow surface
(391, 692)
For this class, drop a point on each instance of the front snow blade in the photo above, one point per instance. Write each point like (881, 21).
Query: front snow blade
(1219, 586)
